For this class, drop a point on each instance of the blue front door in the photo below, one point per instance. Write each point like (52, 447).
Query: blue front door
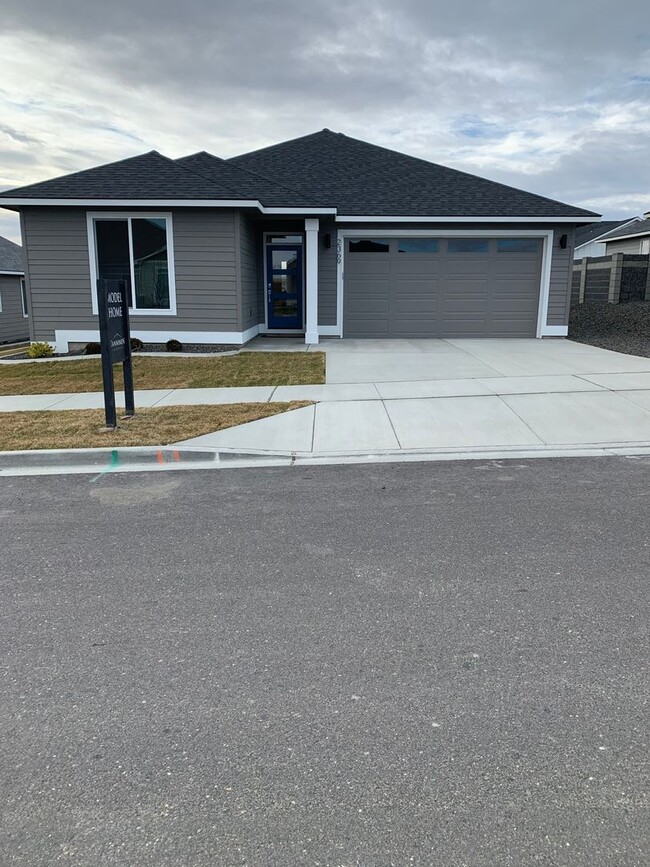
(284, 286)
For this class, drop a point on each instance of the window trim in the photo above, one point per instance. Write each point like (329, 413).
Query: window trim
(0, 302)
(23, 297)
(91, 216)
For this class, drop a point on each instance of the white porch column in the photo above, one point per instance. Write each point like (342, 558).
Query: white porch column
(311, 281)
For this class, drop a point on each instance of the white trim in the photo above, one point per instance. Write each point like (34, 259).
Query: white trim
(0, 302)
(328, 331)
(545, 284)
(443, 233)
(469, 219)
(62, 337)
(161, 203)
(545, 281)
(12, 273)
(555, 331)
(319, 211)
(644, 234)
(91, 216)
(23, 297)
(311, 281)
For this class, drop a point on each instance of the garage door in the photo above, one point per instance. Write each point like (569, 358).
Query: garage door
(441, 287)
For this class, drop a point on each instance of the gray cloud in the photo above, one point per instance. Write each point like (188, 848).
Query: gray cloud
(551, 98)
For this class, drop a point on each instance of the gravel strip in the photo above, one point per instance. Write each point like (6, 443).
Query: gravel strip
(618, 327)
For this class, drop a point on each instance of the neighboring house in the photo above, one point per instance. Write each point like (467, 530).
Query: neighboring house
(14, 318)
(321, 236)
(634, 238)
(588, 240)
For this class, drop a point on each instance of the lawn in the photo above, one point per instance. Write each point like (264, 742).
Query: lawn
(84, 428)
(247, 368)
(619, 327)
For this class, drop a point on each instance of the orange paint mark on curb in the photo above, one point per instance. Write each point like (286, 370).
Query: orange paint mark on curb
(159, 456)
(177, 455)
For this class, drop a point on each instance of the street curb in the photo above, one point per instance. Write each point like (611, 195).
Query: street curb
(100, 462)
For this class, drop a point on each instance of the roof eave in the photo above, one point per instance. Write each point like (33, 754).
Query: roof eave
(161, 203)
(469, 218)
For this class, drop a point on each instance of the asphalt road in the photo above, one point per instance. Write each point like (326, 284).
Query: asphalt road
(411, 664)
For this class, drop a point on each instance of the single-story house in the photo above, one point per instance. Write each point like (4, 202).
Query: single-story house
(632, 238)
(14, 315)
(589, 239)
(321, 236)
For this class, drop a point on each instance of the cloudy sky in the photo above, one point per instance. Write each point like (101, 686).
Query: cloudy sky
(550, 96)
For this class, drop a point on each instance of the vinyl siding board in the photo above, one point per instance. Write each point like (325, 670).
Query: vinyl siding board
(58, 266)
(13, 325)
(251, 278)
(327, 306)
(632, 245)
(559, 298)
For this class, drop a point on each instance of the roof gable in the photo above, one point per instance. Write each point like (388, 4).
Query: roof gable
(11, 256)
(593, 231)
(364, 179)
(148, 176)
(249, 184)
(640, 227)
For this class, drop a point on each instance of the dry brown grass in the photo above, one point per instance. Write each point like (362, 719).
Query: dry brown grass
(84, 428)
(247, 368)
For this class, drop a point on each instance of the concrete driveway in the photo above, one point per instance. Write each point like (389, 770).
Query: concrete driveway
(376, 361)
(405, 395)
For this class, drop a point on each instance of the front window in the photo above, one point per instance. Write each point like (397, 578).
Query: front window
(135, 249)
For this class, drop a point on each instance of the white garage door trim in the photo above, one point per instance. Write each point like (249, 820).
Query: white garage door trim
(542, 329)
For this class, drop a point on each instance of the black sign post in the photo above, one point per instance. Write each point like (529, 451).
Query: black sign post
(115, 342)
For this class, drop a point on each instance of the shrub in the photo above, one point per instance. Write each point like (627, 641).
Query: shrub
(40, 349)
(92, 349)
(136, 344)
(174, 346)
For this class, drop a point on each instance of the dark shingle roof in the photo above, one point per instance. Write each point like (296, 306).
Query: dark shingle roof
(249, 184)
(641, 227)
(322, 170)
(584, 234)
(363, 179)
(11, 256)
(148, 176)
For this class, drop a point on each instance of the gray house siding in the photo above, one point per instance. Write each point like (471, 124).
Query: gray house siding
(58, 267)
(632, 245)
(249, 250)
(13, 325)
(559, 297)
(327, 258)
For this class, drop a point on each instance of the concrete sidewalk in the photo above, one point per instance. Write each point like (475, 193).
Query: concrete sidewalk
(590, 416)
(395, 397)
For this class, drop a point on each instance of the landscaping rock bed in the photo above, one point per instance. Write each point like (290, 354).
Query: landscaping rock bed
(188, 349)
(193, 348)
(619, 327)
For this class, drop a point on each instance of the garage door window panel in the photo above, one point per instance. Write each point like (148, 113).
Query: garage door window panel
(418, 245)
(468, 245)
(518, 245)
(369, 245)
